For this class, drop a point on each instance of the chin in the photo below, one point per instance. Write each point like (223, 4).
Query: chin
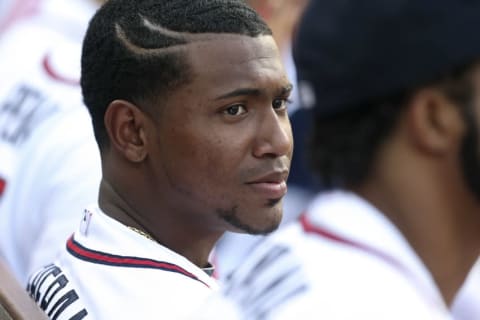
(241, 224)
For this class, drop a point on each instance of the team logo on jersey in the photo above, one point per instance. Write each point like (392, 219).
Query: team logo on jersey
(87, 216)
(52, 291)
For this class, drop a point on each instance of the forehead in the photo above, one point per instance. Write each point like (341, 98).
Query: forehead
(229, 61)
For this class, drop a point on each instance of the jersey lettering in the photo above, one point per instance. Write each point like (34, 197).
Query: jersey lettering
(21, 111)
(272, 277)
(51, 291)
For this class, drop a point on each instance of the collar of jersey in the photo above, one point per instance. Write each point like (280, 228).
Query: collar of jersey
(104, 240)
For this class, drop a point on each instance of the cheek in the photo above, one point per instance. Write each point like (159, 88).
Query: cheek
(221, 159)
(287, 128)
(204, 159)
(290, 135)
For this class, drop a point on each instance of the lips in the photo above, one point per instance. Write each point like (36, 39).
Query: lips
(272, 185)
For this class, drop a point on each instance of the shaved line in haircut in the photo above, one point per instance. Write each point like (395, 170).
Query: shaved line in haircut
(185, 37)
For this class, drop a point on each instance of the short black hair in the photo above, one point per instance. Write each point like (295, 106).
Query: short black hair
(343, 146)
(126, 52)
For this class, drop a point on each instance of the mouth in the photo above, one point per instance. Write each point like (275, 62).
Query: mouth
(272, 185)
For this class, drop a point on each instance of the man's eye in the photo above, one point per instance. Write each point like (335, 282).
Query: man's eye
(235, 110)
(280, 103)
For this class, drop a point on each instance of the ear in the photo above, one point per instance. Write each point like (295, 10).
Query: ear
(434, 122)
(126, 124)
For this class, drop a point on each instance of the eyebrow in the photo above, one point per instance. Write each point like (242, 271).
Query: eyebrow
(253, 92)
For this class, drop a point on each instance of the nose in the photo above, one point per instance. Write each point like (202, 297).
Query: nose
(274, 138)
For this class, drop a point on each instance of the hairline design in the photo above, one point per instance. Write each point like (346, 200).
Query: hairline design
(187, 37)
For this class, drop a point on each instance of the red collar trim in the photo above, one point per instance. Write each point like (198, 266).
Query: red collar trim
(93, 256)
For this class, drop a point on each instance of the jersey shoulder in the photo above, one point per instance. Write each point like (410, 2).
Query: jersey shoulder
(99, 283)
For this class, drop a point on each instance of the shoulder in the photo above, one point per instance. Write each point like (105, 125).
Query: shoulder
(103, 281)
(296, 273)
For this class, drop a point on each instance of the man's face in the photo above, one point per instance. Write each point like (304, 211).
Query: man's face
(223, 142)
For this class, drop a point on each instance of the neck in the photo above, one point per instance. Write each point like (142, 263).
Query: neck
(163, 227)
(440, 220)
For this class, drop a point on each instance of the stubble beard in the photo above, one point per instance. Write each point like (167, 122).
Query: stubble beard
(232, 218)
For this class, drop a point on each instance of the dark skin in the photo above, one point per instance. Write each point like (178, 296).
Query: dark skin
(417, 183)
(212, 156)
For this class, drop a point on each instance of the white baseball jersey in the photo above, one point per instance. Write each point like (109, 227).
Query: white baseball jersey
(49, 161)
(354, 264)
(5, 6)
(467, 302)
(108, 271)
(12, 11)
